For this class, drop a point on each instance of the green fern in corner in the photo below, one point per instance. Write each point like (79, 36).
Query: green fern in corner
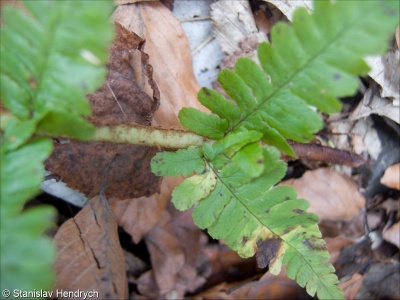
(311, 62)
(50, 58)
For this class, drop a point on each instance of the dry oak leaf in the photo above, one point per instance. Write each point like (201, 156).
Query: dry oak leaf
(391, 178)
(332, 196)
(169, 49)
(89, 256)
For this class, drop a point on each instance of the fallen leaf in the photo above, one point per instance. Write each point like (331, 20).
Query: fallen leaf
(288, 7)
(385, 70)
(391, 177)
(355, 258)
(119, 101)
(373, 103)
(169, 51)
(267, 287)
(381, 282)
(351, 286)
(173, 257)
(392, 234)
(332, 196)
(234, 23)
(335, 246)
(89, 256)
(139, 215)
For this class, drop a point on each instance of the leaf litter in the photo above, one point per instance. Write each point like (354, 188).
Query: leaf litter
(181, 260)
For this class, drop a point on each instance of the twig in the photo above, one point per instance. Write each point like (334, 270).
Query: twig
(190, 19)
(120, 107)
(325, 154)
(203, 44)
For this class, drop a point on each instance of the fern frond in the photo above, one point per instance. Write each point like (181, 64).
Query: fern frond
(50, 61)
(310, 63)
(235, 199)
(51, 56)
(313, 61)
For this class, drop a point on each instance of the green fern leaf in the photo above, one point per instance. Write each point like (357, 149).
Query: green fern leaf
(50, 58)
(310, 62)
(25, 253)
(49, 61)
(210, 126)
(182, 162)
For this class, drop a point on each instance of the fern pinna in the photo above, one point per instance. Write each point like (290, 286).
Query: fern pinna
(311, 62)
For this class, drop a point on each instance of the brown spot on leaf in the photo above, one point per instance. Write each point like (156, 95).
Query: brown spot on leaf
(244, 240)
(267, 250)
(314, 244)
(298, 211)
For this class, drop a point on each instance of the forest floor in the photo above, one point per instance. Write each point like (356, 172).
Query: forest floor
(164, 255)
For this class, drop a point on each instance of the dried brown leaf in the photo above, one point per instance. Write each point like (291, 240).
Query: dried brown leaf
(89, 256)
(119, 101)
(139, 215)
(267, 287)
(174, 246)
(392, 234)
(169, 51)
(391, 178)
(332, 196)
(351, 286)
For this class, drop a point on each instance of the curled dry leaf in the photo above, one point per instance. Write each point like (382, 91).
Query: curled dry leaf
(267, 287)
(391, 177)
(174, 246)
(89, 256)
(139, 215)
(119, 101)
(392, 234)
(351, 286)
(234, 24)
(168, 47)
(373, 103)
(332, 196)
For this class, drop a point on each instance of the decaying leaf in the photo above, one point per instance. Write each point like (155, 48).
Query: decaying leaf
(351, 286)
(168, 47)
(332, 196)
(391, 178)
(392, 234)
(267, 287)
(174, 246)
(139, 215)
(119, 101)
(288, 7)
(234, 24)
(90, 257)
(373, 103)
(381, 282)
(385, 71)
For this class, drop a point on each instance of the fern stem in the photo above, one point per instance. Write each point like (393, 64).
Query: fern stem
(148, 136)
(135, 134)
